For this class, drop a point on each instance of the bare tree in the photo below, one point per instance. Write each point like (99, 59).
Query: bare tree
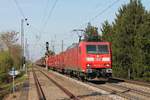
(15, 51)
(9, 38)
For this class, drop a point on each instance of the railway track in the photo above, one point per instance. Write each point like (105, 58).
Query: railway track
(143, 93)
(67, 92)
(123, 91)
(38, 87)
(127, 92)
(145, 84)
(114, 88)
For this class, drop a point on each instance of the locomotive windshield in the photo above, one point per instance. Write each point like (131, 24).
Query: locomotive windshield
(91, 49)
(103, 49)
(97, 49)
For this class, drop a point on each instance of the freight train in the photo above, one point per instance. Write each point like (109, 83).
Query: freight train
(85, 60)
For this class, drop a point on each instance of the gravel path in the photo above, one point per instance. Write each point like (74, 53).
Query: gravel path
(82, 90)
(134, 86)
(51, 91)
(32, 95)
(124, 91)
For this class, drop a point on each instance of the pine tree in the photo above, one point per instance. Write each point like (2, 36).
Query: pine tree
(91, 33)
(129, 37)
(145, 41)
(106, 32)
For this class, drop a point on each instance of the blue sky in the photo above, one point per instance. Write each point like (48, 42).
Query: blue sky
(66, 16)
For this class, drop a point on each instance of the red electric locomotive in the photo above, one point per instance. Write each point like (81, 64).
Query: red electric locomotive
(85, 60)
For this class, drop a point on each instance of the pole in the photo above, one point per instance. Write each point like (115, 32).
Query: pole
(26, 55)
(80, 38)
(22, 41)
(13, 84)
(62, 49)
(62, 46)
(13, 70)
(54, 43)
(46, 61)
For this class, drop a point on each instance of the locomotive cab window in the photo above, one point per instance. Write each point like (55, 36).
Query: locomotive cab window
(103, 49)
(100, 49)
(91, 49)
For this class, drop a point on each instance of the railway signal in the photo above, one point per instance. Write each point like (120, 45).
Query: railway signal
(47, 46)
(46, 56)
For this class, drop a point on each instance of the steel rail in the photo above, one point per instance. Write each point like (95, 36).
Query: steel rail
(145, 84)
(67, 92)
(131, 90)
(115, 92)
(38, 87)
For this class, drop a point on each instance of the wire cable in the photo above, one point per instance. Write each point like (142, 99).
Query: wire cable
(104, 10)
(19, 8)
(100, 13)
(45, 11)
(21, 12)
(49, 15)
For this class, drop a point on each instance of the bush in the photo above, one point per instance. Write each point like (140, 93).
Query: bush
(146, 74)
(4, 78)
(5, 61)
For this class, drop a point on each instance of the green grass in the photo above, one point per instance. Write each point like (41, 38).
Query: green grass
(7, 87)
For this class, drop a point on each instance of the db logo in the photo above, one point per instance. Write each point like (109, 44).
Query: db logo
(97, 56)
(98, 59)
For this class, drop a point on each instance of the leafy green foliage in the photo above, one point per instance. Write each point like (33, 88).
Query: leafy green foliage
(106, 31)
(50, 52)
(11, 57)
(16, 53)
(6, 61)
(91, 33)
(130, 34)
(14, 49)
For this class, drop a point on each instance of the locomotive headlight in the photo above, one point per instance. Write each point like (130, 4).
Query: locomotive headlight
(89, 59)
(88, 66)
(107, 65)
(105, 59)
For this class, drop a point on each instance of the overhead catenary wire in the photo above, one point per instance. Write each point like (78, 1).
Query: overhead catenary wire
(52, 10)
(94, 17)
(49, 15)
(104, 10)
(23, 15)
(19, 8)
(45, 11)
(100, 13)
